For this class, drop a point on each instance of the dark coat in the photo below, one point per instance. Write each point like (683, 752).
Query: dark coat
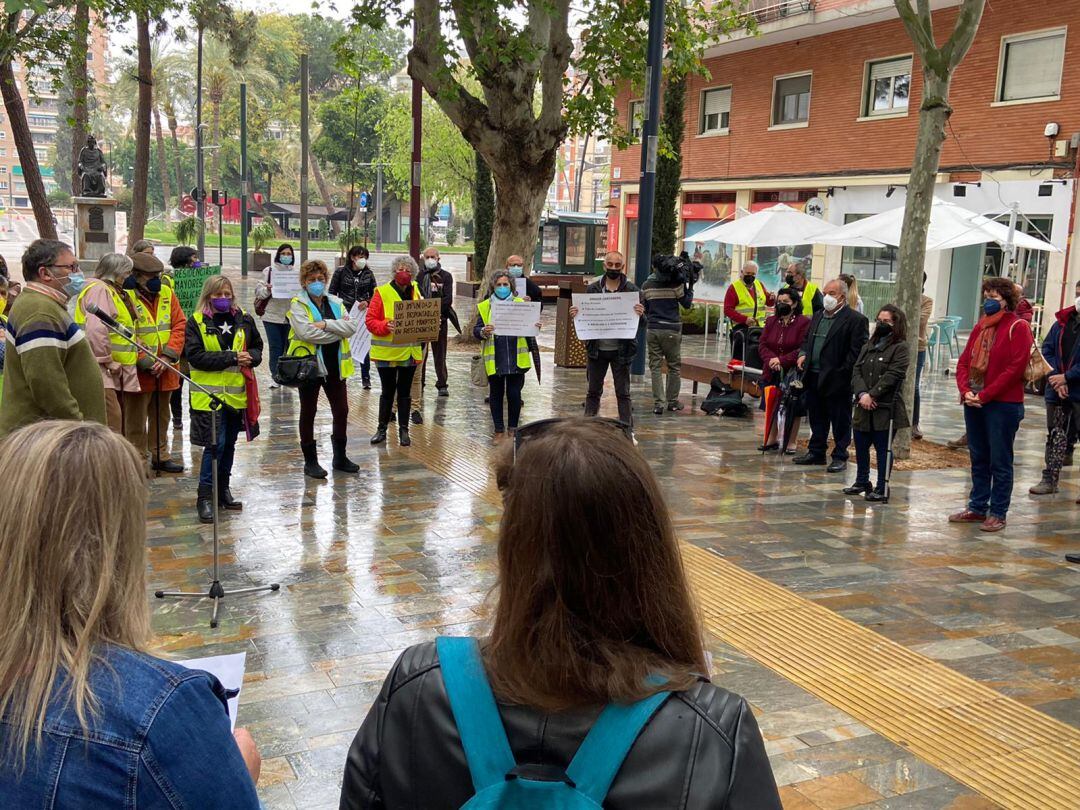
(199, 358)
(351, 286)
(701, 750)
(423, 281)
(842, 346)
(1052, 350)
(880, 372)
(627, 348)
(782, 342)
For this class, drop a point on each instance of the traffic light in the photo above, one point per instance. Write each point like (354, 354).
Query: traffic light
(218, 198)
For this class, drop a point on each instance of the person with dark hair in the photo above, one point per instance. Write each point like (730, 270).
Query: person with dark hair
(593, 610)
(877, 380)
(781, 339)
(434, 282)
(812, 299)
(663, 297)
(926, 309)
(181, 256)
(49, 368)
(275, 316)
(355, 282)
(990, 378)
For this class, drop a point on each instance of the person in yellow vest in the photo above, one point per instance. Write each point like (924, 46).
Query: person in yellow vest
(111, 291)
(395, 362)
(506, 358)
(220, 340)
(746, 304)
(161, 326)
(812, 299)
(320, 325)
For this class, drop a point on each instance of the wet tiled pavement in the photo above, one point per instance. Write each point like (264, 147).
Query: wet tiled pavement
(403, 551)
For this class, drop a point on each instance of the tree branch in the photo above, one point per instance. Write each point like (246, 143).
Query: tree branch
(920, 36)
(553, 68)
(963, 35)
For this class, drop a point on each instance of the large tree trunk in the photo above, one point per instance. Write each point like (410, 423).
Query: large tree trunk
(80, 82)
(520, 191)
(163, 165)
(24, 143)
(170, 115)
(139, 201)
(215, 136)
(324, 191)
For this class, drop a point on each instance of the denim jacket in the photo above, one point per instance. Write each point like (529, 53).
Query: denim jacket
(160, 739)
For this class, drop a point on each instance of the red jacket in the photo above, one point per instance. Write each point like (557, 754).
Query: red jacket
(731, 300)
(1009, 356)
(1025, 310)
(782, 341)
(375, 315)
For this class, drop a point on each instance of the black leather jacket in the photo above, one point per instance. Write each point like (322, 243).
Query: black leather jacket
(702, 749)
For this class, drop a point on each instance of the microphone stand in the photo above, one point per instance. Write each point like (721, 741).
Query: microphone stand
(216, 592)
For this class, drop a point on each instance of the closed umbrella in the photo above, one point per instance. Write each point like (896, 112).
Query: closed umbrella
(777, 226)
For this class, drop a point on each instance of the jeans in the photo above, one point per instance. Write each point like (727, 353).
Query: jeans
(823, 413)
(920, 361)
(665, 345)
(277, 336)
(336, 395)
(228, 428)
(596, 371)
(511, 384)
(991, 431)
(365, 370)
(879, 440)
(396, 382)
(1062, 419)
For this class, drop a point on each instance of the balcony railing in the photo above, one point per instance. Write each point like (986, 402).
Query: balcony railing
(767, 11)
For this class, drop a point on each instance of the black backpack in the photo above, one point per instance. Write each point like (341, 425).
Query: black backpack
(725, 400)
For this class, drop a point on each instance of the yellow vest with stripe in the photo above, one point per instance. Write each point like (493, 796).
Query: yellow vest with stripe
(122, 352)
(524, 356)
(746, 305)
(155, 328)
(808, 298)
(345, 361)
(382, 346)
(228, 383)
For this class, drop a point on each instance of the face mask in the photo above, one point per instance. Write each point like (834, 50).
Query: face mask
(403, 278)
(831, 302)
(516, 270)
(285, 260)
(612, 274)
(789, 279)
(502, 293)
(882, 329)
(783, 310)
(431, 264)
(317, 288)
(991, 306)
(75, 283)
(130, 283)
(221, 304)
(360, 264)
(748, 279)
(153, 286)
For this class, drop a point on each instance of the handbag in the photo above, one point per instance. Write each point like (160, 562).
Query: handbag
(260, 303)
(478, 372)
(254, 406)
(294, 370)
(1037, 368)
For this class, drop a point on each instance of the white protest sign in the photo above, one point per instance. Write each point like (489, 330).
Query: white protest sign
(521, 287)
(229, 669)
(284, 283)
(360, 343)
(606, 316)
(515, 318)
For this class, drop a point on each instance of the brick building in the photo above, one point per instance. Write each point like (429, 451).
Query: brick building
(823, 105)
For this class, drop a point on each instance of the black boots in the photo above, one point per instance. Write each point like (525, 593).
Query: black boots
(225, 496)
(311, 460)
(205, 504)
(341, 461)
(403, 436)
(380, 435)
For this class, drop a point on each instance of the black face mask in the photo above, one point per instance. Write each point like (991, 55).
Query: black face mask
(783, 310)
(613, 274)
(130, 283)
(153, 285)
(789, 279)
(748, 279)
(882, 329)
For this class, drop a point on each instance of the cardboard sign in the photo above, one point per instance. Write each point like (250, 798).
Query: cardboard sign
(188, 283)
(417, 321)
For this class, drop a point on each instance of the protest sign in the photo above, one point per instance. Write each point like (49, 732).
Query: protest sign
(514, 318)
(285, 283)
(417, 321)
(360, 343)
(606, 316)
(188, 283)
(521, 287)
(229, 670)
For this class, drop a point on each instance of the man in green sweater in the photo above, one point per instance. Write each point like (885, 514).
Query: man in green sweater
(49, 370)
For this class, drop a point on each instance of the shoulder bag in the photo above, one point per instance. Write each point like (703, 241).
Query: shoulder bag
(295, 369)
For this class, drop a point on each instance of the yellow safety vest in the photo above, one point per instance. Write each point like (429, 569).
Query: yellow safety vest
(167, 281)
(808, 298)
(3, 336)
(382, 346)
(228, 383)
(345, 361)
(747, 305)
(155, 328)
(524, 356)
(122, 352)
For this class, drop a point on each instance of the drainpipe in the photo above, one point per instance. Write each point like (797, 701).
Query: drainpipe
(1071, 231)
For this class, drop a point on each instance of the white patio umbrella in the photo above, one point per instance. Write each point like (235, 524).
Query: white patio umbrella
(777, 226)
(951, 226)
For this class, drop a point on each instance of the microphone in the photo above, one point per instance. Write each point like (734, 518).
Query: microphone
(108, 320)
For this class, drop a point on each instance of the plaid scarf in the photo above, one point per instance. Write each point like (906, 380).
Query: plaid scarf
(980, 355)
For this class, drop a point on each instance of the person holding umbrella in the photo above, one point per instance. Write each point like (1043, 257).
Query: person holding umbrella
(781, 339)
(879, 406)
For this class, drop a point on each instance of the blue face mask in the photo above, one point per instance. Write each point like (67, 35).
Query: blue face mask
(317, 289)
(285, 260)
(991, 306)
(75, 283)
(502, 293)
(517, 270)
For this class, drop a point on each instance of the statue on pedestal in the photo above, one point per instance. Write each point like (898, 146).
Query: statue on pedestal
(92, 169)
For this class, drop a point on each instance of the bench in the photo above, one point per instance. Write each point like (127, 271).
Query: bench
(702, 370)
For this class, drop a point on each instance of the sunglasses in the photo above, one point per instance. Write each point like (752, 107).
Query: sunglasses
(539, 427)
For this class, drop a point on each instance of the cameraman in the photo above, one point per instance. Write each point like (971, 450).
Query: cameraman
(745, 305)
(668, 287)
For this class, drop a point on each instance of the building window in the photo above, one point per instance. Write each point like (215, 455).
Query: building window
(887, 86)
(868, 263)
(3, 169)
(1031, 66)
(715, 109)
(791, 100)
(636, 119)
(41, 120)
(3, 151)
(42, 155)
(3, 184)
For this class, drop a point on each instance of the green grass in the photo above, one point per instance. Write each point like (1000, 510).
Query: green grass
(158, 231)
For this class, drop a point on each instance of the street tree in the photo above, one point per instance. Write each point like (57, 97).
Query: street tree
(483, 213)
(669, 167)
(938, 63)
(78, 88)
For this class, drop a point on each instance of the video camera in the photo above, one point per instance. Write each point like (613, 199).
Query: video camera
(674, 270)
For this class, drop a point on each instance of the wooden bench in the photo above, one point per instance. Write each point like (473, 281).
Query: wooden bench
(702, 370)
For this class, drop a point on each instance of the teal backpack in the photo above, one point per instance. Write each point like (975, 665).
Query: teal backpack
(498, 780)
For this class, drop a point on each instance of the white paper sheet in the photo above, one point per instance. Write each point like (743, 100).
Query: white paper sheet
(606, 316)
(284, 283)
(229, 669)
(521, 287)
(360, 343)
(515, 318)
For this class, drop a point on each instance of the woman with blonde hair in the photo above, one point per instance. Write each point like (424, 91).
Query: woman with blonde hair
(221, 341)
(593, 679)
(89, 719)
(853, 299)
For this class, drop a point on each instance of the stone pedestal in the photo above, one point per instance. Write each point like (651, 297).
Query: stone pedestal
(95, 229)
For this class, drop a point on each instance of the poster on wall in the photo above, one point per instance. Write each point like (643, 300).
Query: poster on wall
(715, 259)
